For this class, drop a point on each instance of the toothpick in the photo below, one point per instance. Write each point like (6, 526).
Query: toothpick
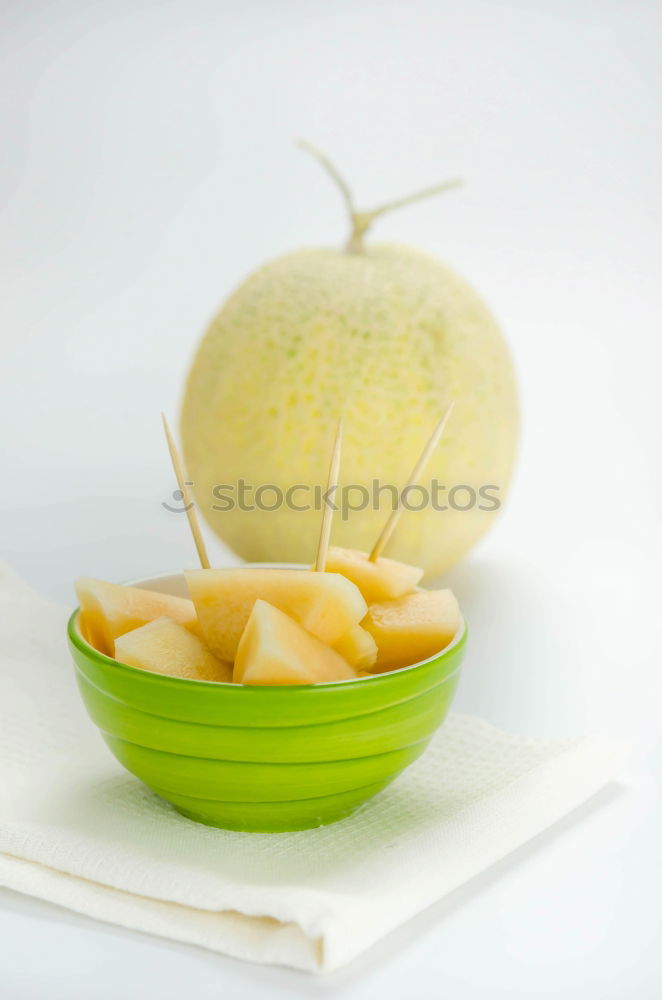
(189, 506)
(396, 513)
(332, 483)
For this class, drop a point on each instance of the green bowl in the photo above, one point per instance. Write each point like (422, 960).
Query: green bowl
(264, 759)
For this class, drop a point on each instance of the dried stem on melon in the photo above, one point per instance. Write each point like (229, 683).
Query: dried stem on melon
(361, 221)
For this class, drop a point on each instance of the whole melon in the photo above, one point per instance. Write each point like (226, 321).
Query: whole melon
(389, 337)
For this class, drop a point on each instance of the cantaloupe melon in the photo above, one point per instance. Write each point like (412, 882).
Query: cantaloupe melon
(275, 649)
(326, 604)
(110, 609)
(381, 580)
(388, 336)
(412, 628)
(164, 647)
(357, 647)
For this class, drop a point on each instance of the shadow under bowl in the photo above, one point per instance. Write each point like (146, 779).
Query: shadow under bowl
(264, 759)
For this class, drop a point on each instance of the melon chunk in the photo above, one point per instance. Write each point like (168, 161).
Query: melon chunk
(326, 604)
(381, 580)
(274, 649)
(110, 610)
(357, 647)
(164, 647)
(412, 628)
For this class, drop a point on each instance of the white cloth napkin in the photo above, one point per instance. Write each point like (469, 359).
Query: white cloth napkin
(79, 831)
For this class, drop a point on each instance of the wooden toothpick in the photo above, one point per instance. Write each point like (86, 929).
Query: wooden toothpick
(189, 506)
(421, 462)
(332, 483)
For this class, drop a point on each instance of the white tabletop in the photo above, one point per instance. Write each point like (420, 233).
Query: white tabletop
(147, 167)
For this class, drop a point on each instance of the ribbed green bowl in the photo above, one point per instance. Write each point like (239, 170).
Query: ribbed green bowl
(263, 759)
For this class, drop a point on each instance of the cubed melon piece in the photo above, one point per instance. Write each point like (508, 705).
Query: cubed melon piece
(326, 604)
(110, 609)
(275, 649)
(381, 580)
(357, 647)
(412, 628)
(164, 647)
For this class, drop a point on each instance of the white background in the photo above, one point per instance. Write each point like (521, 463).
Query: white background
(148, 165)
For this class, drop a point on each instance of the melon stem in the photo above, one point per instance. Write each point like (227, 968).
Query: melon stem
(361, 221)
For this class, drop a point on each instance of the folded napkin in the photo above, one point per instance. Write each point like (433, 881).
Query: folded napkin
(79, 831)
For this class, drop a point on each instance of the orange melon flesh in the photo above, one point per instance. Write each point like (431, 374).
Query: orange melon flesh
(412, 628)
(325, 604)
(110, 609)
(164, 647)
(381, 580)
(357, 647)
(274, 649)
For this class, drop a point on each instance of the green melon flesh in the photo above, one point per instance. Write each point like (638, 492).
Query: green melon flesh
(274, 649)
(412, 628)
(357, 647)
(326, 604)
(108, 610)
(381, 580)
(164, 647)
